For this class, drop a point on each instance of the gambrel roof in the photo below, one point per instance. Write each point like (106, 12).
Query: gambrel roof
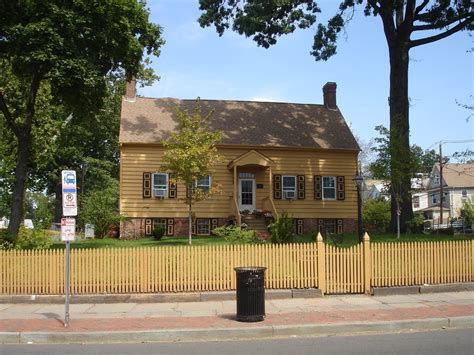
(249, 123)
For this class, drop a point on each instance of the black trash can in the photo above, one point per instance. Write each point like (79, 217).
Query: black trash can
(250, 293)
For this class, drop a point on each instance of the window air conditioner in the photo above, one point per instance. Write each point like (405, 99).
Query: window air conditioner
(289, 195)
(159, 193)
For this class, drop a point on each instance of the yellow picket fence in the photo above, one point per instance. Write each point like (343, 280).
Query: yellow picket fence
(405, 264)
(157, 269)
(211, 268)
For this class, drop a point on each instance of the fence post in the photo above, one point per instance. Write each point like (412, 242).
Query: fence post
(367, 264)
(321, 247)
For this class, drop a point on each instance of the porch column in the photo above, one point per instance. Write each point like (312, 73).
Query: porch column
(236, 203)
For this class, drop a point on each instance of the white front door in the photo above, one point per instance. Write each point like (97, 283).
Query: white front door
(247, 194)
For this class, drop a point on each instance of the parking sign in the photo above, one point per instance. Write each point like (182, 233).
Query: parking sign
(69, 193)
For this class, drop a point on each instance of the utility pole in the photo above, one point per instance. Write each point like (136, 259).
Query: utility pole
(440, 184)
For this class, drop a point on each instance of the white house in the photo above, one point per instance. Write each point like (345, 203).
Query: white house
(458, 187)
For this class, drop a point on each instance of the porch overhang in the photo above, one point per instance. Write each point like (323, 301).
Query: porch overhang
(252, 157)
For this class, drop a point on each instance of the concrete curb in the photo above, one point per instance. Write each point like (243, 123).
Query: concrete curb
(414, 290)
(251, 332)
(156, 297)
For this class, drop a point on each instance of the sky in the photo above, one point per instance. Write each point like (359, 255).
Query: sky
(197, 62)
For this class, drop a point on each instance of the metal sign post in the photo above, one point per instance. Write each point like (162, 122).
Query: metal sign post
(68, 228)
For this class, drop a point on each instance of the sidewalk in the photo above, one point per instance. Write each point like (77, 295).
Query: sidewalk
(181, 321)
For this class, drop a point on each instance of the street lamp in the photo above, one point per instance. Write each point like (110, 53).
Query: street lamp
(359, 180)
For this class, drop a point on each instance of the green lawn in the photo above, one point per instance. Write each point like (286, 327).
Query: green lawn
(141, 242)
(346, 240)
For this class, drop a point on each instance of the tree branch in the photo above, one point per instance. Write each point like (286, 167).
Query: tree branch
(445, 34)
(8, 117)
(432, 13)
(373, 3)
(421, 7)
(441, 24)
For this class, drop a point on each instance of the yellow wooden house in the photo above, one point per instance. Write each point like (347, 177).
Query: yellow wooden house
(299, 158)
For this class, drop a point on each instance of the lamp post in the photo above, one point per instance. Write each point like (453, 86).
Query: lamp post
(358, 180)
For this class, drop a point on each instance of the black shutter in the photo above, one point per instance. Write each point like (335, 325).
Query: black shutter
(318, 187)
(172, 187)
(169, 226)
(341, 189)
(148, 226)
(277, 187)
(321, 226)
(147, 185)
(214, 224)
(299, 227)
(301, 187)
(340, 226)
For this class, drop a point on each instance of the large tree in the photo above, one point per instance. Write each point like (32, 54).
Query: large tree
(68, 48)
(426, 21)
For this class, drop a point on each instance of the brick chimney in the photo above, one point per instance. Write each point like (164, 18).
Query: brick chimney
(131, 89)
(329, 93)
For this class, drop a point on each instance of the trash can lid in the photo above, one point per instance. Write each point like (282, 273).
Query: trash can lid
(250, 268)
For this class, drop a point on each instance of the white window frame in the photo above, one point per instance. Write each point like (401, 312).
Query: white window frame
(162, 187)
(203, 222)
(204, 187)
(436, 180)
(285, 189)
(324, 188)
(434, 199)
(416, 201)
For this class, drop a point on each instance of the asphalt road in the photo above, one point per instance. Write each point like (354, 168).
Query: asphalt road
(458, 341)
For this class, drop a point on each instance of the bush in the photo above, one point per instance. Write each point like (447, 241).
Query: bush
(282, 229)
(376, 215)
(416, 225)
(444, 231)
(6, 240)
(467, 212)
(100, 209)
(158, 232)
(32, 239)
(236, 235)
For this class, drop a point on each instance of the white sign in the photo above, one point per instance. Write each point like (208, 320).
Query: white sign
(68, 178)
(89, 231)
(68, 229)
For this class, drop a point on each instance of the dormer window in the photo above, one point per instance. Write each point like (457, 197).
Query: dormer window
(436, 179)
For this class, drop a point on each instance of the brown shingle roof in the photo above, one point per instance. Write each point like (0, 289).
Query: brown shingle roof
(459, 175)
(149, 120)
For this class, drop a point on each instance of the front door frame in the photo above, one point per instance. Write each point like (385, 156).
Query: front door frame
(252, 207)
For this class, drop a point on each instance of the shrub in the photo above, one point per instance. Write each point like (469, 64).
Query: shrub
(236, 235)
(158, 232)
(100, 209)
(32, 239)
(416, 224)
(444, 231)
(6, 240)
(467, 212)
(282, 229)
(376, 215)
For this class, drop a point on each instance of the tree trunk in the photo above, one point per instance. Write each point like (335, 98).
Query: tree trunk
(23, 134)
(21, 171)
(190, 213)
(399, 136)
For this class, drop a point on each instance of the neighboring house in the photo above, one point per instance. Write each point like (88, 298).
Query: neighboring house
(374, 189)
(458, 186)
(419, 196)
(299, 158)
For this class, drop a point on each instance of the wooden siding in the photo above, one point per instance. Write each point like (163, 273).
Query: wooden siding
(138, 159)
